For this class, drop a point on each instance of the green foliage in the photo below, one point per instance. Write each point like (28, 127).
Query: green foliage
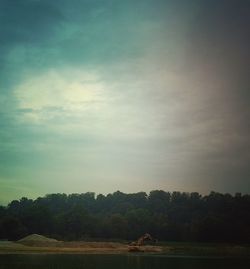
(167, 216)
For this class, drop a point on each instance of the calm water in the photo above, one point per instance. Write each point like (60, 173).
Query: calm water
(117, 261)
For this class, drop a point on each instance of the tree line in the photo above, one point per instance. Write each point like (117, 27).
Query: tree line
(176, 216)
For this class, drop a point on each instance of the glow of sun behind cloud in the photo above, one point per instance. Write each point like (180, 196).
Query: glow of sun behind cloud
(70, 91)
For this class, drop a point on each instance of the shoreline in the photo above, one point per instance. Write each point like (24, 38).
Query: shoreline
(170, 249)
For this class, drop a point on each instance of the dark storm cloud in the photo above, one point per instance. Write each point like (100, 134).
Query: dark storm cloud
(68, 32)
(27, 23)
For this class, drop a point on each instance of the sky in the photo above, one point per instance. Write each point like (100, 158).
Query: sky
(106, 95)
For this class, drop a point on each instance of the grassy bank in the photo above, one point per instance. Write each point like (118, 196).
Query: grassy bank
(205, 249)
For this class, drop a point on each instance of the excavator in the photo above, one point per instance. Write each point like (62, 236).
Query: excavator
(136, 245)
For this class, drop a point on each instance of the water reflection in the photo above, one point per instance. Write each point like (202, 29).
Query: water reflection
(93, 261)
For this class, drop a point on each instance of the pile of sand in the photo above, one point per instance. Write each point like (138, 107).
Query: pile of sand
(36, 239)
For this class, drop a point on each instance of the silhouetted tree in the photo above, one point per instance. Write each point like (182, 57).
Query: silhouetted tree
(178, 216)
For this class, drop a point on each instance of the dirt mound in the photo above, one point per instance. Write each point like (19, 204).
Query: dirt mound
(36, 238)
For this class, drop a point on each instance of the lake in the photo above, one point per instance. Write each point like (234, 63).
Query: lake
(133, 261)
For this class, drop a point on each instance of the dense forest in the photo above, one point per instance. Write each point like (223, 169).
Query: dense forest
(175, 216)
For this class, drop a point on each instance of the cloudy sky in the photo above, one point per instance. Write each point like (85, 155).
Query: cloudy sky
(106, 95)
